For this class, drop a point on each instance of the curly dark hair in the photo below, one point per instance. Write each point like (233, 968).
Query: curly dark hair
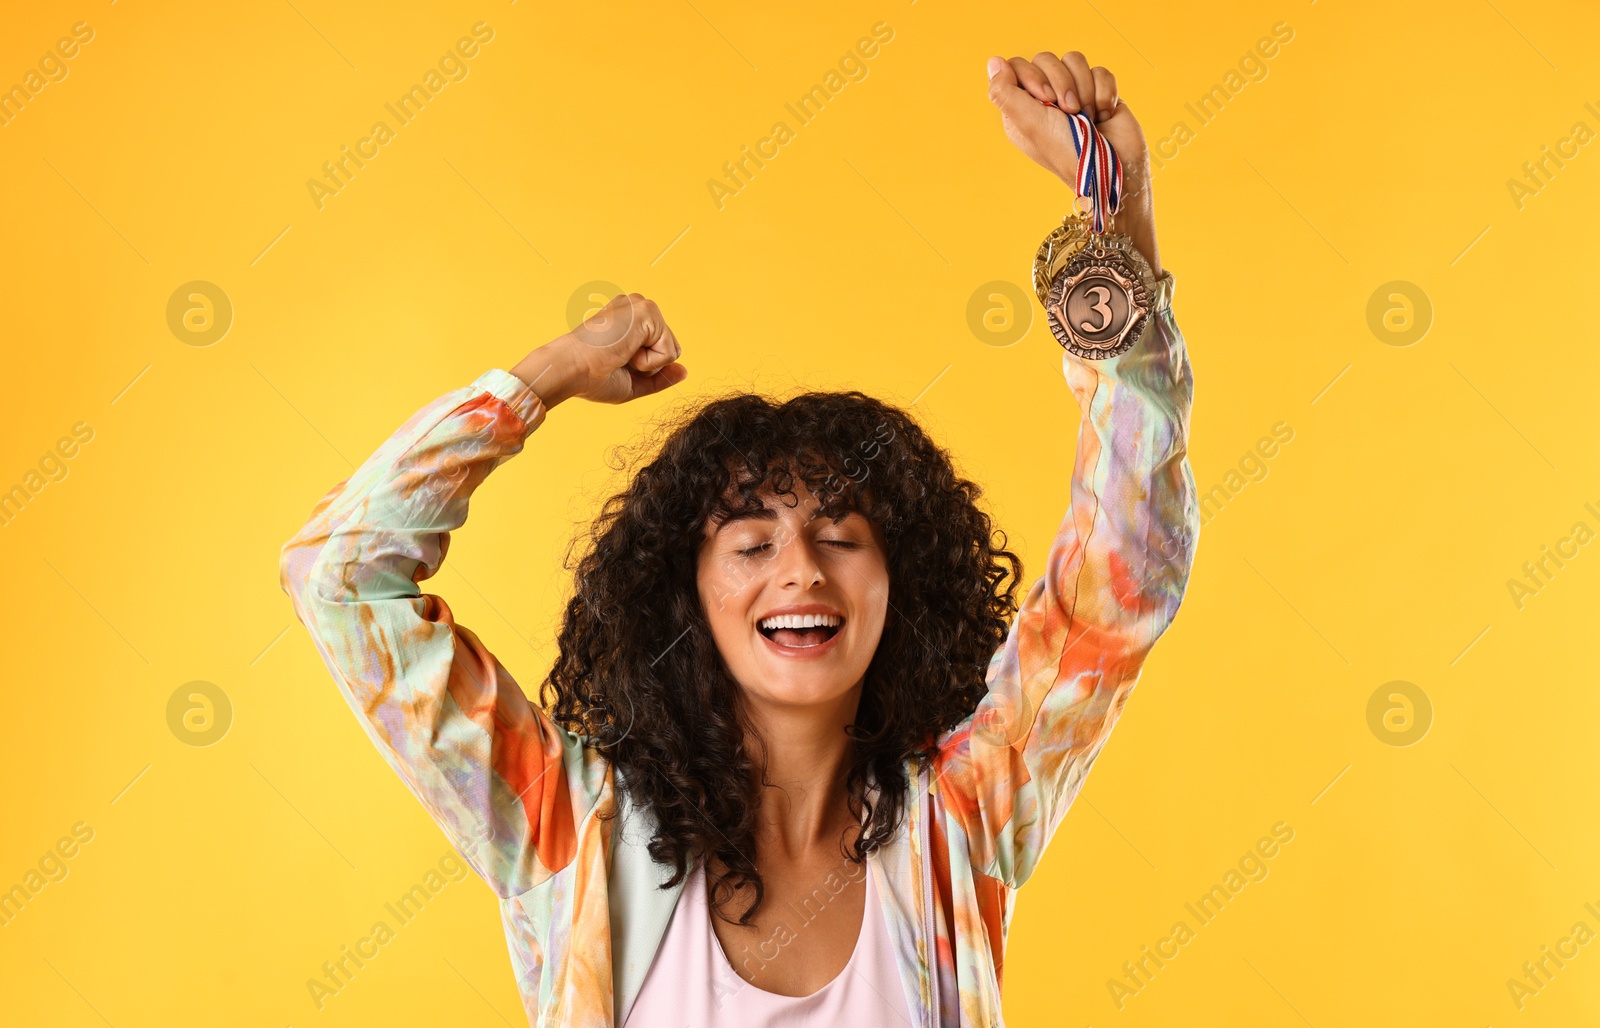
(639, 676)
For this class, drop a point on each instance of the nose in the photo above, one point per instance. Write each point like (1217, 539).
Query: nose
(797, 562)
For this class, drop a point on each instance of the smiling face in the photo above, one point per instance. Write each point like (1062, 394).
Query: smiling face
(796, 601)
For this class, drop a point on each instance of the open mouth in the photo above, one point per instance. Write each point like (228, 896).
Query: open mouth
(801, 637)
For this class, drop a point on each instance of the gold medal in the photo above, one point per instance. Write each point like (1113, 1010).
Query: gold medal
(1058, 248)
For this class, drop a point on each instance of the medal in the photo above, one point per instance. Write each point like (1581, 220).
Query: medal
(1059, 247)
(1095, 285)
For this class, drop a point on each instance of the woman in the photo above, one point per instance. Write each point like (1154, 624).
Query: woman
(795, 764)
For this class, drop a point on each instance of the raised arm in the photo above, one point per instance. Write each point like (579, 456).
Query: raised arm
(1119, 563)
(506, 784)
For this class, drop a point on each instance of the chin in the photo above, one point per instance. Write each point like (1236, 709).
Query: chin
(799, 687)
(799, 693)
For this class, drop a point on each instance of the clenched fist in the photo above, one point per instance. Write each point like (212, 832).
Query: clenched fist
(1033, 94)
(621, 352)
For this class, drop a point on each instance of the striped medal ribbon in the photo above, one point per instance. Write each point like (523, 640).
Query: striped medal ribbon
(1099, 175)
(1100, 301)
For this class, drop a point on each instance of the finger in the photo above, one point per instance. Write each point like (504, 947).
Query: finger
(671, 375)
(1082, 80)
(668, 348)
(1060, 80)
(1000, 73)
(1006, 93)
(1105, 93)
(1033, 80)
(659, 347)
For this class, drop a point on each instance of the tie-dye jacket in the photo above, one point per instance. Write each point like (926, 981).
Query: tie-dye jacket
(520, 796)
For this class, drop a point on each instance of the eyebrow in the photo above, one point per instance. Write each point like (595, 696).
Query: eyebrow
(764, 514)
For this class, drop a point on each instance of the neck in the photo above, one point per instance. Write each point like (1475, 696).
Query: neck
(804, 804)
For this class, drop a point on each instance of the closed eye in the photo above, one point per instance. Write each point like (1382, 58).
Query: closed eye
(844, 543)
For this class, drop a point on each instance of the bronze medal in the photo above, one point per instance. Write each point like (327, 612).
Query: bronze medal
(1099, 303)
(1095, 285)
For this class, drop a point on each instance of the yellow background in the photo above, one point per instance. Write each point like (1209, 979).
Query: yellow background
(578, 148)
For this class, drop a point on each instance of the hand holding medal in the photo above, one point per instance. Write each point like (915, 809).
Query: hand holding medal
(1097, 285)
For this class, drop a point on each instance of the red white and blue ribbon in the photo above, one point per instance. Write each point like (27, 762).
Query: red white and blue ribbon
(1099, 168)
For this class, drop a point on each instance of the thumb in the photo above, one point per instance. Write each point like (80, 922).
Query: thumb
(671, 375)
(1002, 82)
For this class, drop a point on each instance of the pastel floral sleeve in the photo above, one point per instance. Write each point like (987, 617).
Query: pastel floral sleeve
(1113, 580)
(505, 783)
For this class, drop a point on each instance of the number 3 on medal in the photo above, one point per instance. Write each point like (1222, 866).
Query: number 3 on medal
(1100, 308)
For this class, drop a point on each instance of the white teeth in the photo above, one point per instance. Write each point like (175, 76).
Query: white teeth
(800, 621)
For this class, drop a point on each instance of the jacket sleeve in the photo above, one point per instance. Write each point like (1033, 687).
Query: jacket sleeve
(1112, 584)
(506, 784)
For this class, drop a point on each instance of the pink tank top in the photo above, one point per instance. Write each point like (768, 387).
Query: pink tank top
(691, 984)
